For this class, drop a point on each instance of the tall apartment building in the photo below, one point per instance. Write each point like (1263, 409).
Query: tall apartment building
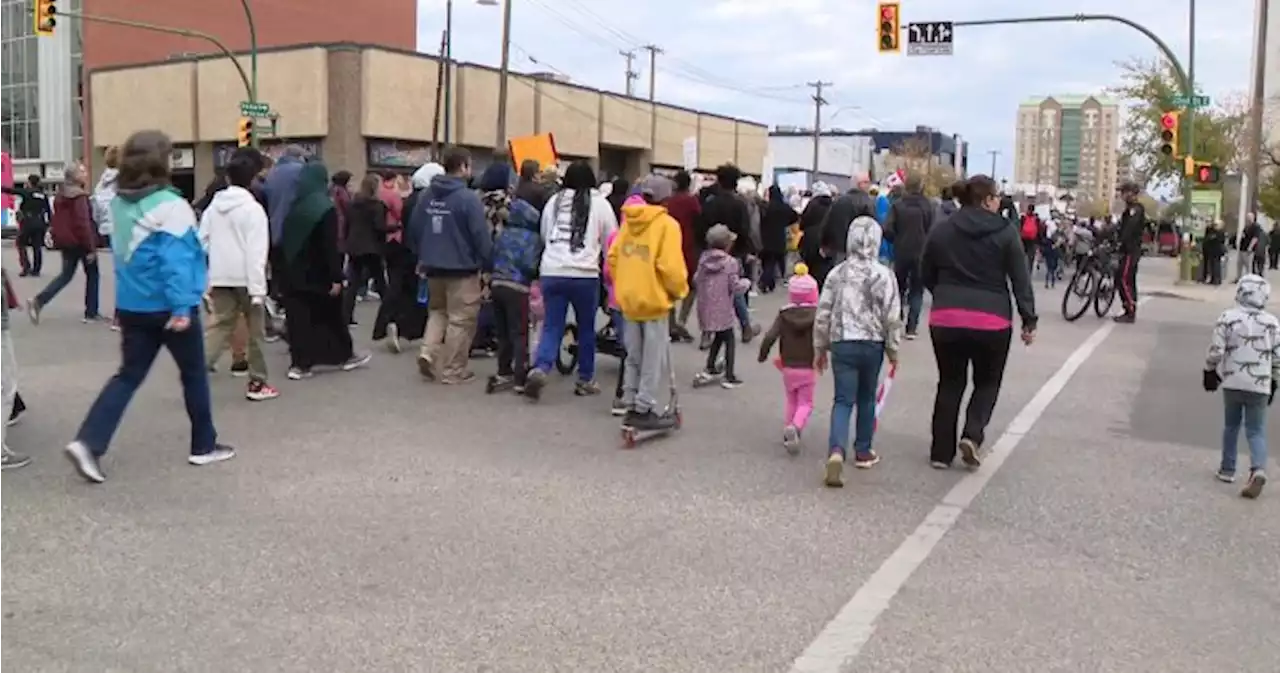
(1068, 143)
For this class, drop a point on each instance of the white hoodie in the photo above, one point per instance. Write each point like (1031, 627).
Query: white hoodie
(235, 233)
(1245, 347)
(102, 196)
(558, 259)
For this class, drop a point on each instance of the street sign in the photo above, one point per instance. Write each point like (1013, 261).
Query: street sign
(254, 109)
(929, 38)
(1191, 101)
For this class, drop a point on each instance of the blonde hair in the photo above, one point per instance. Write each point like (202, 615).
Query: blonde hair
(111, 157)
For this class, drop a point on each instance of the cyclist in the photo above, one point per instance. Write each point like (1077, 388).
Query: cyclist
(1132, 222)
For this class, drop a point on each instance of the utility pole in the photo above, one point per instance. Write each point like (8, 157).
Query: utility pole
(994, 154)
(653, 50)
(632, 75)
(1256, 107)
(818, 102)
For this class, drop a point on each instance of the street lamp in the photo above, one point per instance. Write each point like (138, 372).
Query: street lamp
(500, 140)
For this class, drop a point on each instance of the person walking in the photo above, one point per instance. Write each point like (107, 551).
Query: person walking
(1275, 246)
(1213, 248)
(969, 263)
(400, 317)
(575, 226)
(160, 280)
(454, 248)
(307, 266)
(684, 208)
(76, 238)
(233, 229)
(34, 214)
(777, 218)
(366, 219)
(907, 226)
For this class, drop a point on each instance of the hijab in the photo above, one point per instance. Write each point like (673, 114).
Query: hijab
(311, 203)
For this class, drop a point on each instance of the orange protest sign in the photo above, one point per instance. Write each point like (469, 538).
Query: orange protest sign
(540, 148)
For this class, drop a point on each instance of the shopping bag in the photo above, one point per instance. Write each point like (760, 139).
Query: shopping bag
(882, 394)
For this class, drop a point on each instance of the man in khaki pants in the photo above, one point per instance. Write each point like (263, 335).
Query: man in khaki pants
(452, 239)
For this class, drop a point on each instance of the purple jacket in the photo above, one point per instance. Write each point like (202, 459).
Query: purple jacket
(716, 281)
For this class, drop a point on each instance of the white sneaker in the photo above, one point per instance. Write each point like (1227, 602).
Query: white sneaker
(85, 462)
(393, 339)
(219, 453)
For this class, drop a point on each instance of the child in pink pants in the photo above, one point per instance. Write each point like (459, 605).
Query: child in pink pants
(793, 330)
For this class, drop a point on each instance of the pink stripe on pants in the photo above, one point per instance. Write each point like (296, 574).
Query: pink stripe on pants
(799, 383)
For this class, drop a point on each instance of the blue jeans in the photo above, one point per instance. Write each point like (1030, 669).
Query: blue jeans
(1251, 408)
(558, 294)
(856, 366)
(741, 310)
(141, 337)
(71, 258)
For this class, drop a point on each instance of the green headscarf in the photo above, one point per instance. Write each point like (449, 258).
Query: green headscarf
(311, 204)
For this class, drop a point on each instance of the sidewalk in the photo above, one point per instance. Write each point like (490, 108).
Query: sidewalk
(1158, 277)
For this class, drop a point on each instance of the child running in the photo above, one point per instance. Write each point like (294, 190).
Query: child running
(1244, 359)
(517, 251)
(715, 283)
(858, 325)
(793, 330)
(647, 264)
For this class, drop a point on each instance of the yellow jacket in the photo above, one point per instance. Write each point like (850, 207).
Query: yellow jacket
(646, 262)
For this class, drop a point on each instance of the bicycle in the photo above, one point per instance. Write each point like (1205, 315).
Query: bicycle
(1093, 281)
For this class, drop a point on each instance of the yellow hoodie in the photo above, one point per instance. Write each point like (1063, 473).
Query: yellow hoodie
(646, 262)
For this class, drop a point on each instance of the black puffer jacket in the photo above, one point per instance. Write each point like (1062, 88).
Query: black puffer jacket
(843, 211)
(971, 260)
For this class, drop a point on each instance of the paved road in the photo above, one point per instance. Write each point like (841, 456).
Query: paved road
(374, 523)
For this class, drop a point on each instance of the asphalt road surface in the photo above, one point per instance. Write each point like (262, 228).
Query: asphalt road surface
(372, 522)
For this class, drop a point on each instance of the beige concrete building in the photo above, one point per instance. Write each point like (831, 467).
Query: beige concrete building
(362, 107)
(1069, 143)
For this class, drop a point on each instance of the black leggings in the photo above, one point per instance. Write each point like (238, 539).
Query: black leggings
(360, 269)
(956, 349)
(722, 338)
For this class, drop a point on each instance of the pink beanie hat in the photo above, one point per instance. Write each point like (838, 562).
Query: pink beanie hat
(802, 288)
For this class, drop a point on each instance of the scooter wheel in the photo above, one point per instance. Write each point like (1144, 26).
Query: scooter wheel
(628, 438)
(679, 420)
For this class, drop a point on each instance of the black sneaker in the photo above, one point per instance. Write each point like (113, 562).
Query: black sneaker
(646, 420)
(240, 368)
(730, 382)
(1126, 319)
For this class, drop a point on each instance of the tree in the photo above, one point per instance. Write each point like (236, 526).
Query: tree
(916, 158)
(1149, 88)
(1269, 194)
(1092, 209)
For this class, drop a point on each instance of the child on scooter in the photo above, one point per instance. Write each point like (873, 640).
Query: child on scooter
(647, 264)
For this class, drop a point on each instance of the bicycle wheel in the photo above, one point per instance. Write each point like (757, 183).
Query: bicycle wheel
(1104, 297)
(1081, 288)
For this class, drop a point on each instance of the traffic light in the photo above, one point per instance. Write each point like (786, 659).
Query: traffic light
(244, 132)
(890, 30)
(46, 17)
(1169, 134)
(1207, 174)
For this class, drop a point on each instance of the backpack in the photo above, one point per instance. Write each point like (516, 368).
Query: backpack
(1030, 228)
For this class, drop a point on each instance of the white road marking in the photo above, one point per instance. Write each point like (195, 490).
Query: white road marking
(842, 640)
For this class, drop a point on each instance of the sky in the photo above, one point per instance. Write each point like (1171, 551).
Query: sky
(751, 58)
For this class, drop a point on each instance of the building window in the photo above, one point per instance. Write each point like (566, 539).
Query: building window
(19, 99)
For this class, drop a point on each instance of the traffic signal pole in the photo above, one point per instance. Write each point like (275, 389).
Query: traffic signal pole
(253, 56)
(1185, 80)
(155, 28)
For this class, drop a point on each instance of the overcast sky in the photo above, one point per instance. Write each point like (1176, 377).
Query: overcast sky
(750, 58)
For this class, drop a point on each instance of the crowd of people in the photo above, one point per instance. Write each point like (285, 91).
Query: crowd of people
(487, 261)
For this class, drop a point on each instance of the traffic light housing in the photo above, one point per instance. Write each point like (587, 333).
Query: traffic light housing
(1169, 134)
(244, 132)
(889, 29)
(45, 17)
(1207, 174)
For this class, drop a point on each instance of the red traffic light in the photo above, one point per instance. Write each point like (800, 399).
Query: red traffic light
(887, 12)
(1168, 121)
(1204, 173)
